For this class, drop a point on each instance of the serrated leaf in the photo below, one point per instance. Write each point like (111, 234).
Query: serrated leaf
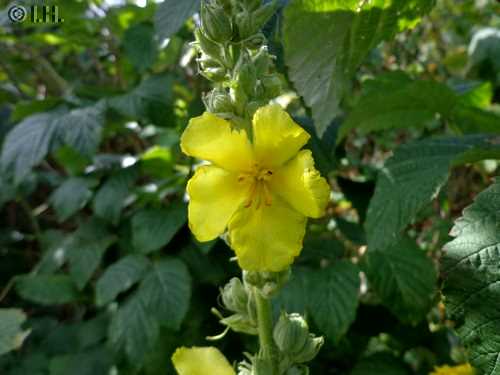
(326, 41)
(140, 46)
(404, 278)
(472, 279)
(110, 198)
(153, 228)
(85, 249)
(166, 291)
(413, 177)
(11, 334)
(70, 197)
(407, 104)
(334, 298)
(47, 289)
(133, 329)
(119, 277)
(171, 15)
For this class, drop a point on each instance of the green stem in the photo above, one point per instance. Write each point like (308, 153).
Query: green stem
(33, 220)
(268, 348)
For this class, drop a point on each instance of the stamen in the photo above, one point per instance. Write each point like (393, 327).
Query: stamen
(268, 199)
(251, 196)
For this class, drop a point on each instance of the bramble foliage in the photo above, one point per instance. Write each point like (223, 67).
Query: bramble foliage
(99, 272)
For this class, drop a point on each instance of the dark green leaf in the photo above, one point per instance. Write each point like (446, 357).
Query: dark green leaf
(70, 197)
(472, 279)
(140, 45)
(404, 278)
(325, 42)
(47, 289)
(153, 228)
(172, 14)
(380, 363)
(11, 334)
(93, 362)
(166, 291)
(119, 277)
(413, 177)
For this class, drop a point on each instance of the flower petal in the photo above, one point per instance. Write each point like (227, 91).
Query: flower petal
(214, 195)
(277, 138)
(267, 238)
(201, 361)
(211, 138)
(301, 185)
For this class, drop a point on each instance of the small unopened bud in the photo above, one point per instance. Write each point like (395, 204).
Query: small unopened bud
(268, 283)
(291, 333)
(207, 46)
(240, 323)
(262, 366)
(272, 85)
(256, 41)
(262, 61)
(215, 22)
(234, 296)
(244, 22)
(310, 350)
(214, 74)
(263, 14)
(298, 370)
(245, 74)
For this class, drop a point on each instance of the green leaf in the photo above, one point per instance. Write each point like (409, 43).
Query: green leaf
(413, 177)
(172, 14)
(326, 41)
(27, 144)
(85, 249)
(166, 291)
(476, 94)
(12, 335)
(140, 46)
(47, 289)
(472, 279)
(475, 120)
(119, 277)
(152, 98)
(96, 361)
(71, 196)
(404, 277)
(153, 228)
(406, 104)
(133, 329)
(110, 198)
(380, 363)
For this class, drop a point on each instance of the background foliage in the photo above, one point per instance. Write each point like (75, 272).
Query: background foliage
(99, 272)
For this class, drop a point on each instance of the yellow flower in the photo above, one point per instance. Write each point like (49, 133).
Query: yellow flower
(201, 361)
(261, 191)
(465, 369)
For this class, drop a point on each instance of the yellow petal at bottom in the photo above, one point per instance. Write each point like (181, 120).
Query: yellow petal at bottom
(201, 361)
(464, 369)
(267, 238)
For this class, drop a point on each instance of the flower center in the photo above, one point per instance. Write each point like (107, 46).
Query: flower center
(259, 192)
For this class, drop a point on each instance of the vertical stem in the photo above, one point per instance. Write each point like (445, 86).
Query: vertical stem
(268, 349)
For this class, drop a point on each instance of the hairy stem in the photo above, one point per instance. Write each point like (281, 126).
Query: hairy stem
(268, 349)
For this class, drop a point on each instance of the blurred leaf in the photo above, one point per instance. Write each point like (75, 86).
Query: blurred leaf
(408, 104)
(153, 228)
(12, 335)
(380, 363)
(472, 275)
(166, 291)
(110, 198)
(93, 362)
(47, 289)
(404, 277)
(71, 196)
(470, 120)
(157, 161)
(413, 177)
(140, 45)
(27, 108)
(326, 41)
(171, 15)
(85, 249)
(475, 94)
(119, 277)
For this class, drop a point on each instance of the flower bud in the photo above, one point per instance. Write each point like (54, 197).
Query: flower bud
(207, 46)
(262, 366)
(310, 350)
(239, 98)
(244, 22)
(256, 41)
(272, 85)
(215, 22)
(245, 74)
(262, 61)
(298, 370)
(291, 333)
(234, 295)
(268, 283)
(240, 323)
(214, 74)
(218, 101)
(263, 14)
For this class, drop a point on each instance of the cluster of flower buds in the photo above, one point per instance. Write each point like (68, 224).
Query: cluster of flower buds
(233, 55)
(268, 283)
